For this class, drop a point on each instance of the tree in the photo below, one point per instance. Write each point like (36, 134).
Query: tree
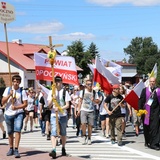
(93, 50)
(144, 53)
(82, 57)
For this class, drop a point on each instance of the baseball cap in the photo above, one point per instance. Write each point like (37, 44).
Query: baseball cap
(115, 86)
(58, 79)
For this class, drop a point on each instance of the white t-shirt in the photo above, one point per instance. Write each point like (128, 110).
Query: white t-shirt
(17, 94)
(30, 106)
(60, 100)
(87, 103)
(74, 97)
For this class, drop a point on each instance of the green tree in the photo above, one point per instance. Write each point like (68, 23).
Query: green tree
(82, 57)
(93, 50)
(144, 53)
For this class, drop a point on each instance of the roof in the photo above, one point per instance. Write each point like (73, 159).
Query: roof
(122, 63)
(21, 53)
(128, 74)
(18, 53)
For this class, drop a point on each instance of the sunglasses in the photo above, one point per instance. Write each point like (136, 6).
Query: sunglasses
(89, 85)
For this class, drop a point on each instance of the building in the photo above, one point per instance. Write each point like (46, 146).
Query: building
(129, 72)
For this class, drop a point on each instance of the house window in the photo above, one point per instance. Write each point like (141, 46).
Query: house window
(42, 82)
(31, 83)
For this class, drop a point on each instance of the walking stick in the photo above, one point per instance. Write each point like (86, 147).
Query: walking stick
(52, 55)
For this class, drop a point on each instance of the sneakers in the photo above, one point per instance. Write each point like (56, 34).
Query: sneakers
(112, 142)
(25, 128)
(107, 136)
(10, 152)
(63, 151)
(4, 134)
(43, 134)
(84, 140)
(89, 142)
(52, 154)
(16, 153)
(48, 137)
(120, 143)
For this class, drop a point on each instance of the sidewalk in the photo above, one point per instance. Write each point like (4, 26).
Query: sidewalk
(30, 154)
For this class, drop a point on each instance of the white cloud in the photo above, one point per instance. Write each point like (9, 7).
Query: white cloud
(39, 28)
(70, 37)
(75, 36)
(133, 2)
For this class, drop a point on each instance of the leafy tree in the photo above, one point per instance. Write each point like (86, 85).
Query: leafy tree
(82, 57)
(144, 53)
(93, 50)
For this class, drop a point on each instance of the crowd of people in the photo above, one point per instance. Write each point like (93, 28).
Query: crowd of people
(88, 106)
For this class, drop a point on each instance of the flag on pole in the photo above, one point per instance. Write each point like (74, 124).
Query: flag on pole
(100, 76)
(133, 96)
(64, 67)
(152, 74)
(45, 92)
(113, 67)
(91, 67)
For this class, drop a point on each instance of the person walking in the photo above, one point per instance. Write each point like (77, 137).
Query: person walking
(150, 100)
(1, 122)
(104, 117)
(16, 100)
(74, 97)
(87, 98)
(113, 104)
(29, 110)
(63, 102)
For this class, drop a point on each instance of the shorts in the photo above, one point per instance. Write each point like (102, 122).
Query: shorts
(103, 117)
(87, 117)
(62, 125)
(47, 115)
(14, 123)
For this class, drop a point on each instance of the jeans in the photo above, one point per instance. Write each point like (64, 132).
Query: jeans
(14, 123)
(73, 118)
(96, 118)
(62, 125)
(42, 124)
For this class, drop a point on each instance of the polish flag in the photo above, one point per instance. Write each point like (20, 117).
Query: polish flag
(133, 96)
(100, 76)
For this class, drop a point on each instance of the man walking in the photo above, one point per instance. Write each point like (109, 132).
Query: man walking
(150, 100)
(16, 100)
(63, 101)
(113, 108)
(87, 99)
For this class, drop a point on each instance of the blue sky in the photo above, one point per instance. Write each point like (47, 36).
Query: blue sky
(110, 24)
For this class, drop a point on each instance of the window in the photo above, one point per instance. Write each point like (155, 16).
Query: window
(31, 83)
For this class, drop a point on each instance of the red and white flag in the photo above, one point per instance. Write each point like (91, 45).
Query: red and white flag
(113, 67)
(100, 76)
(133, 96)
(64, 67)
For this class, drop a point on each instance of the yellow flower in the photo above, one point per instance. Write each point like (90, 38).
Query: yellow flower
(141, 112)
